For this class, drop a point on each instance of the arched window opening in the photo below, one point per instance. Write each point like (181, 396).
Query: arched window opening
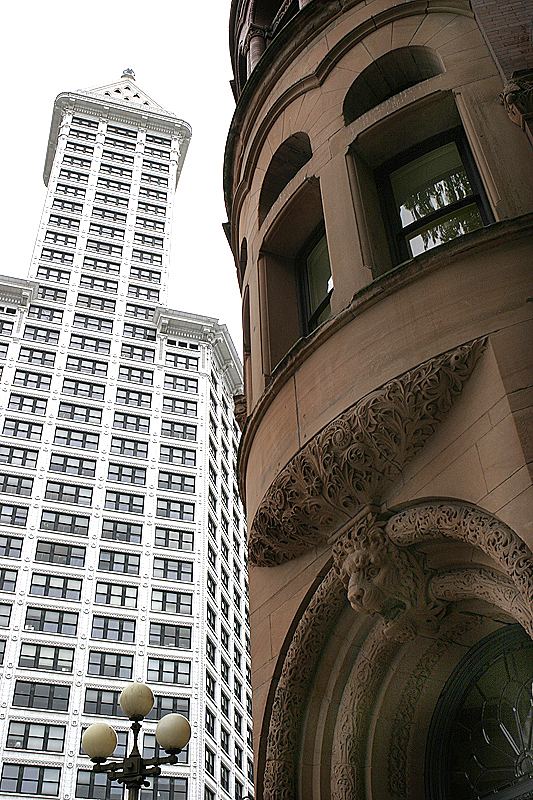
(288, 159)
(294, 275)
(391, 73)
(480, 738)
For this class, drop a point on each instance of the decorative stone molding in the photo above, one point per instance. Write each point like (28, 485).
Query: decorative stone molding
(480, 529)
(356, 457)
(517, 97)
(240, 410)
(291, 690)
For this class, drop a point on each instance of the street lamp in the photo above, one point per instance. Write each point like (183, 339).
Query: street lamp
(100, 740)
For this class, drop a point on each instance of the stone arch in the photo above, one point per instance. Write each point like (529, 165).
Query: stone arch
(391, 73)
(508, 586)
(288, 159)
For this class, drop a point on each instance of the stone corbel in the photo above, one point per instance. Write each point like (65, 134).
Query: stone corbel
(517, 98)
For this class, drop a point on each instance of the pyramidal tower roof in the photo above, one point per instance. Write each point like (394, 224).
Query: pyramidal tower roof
(122, 102)
(127, 92)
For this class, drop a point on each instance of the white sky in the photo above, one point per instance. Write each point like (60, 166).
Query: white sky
(179, 53)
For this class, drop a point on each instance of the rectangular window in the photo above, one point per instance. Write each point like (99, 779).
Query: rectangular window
(45, 314)
(45, 335)
(34, 736)
(130, 397)
(141, 312)
(210, 651)
(28, 355)
(174, 602)
(209, 761)
(129, 447)
(173, 570)
(105, 213)
(16, 484)
(55, 586)
(116, 594)
(113, 186)
(102, 702)
(28, 780)
(86, 365)
(96, 303)
(163, 670)
(175, 509)
(53, 295)
(18, 456)
(77, 413)
(174, 482)
(121, 531)
(6, 328)
(95, 246)
(73, 191)
(169, 705)
(137, 353)
(13, 515)
(75, 438)
(92, 323)
(43, 696)
(110, 232)
(112, 665)
(5, 615)
(64, 523)
(432, 194)
(149, 208)
(62, 239)
(83, 389)
(113, 629)
(131, 422)
(66, 493)
(143, 274)
(10, 546)
(97, 786)
(120, 501)
(68, 555)
(127, 474)
(167, 789)
(164, 635)
(182, 362)
(124, 563)
(143, 292)
(73, 465)
(67, 205)
(139, 332)
(151, 224)
(177, 405)
(135, 375)
(101, 265)
(89, 343)
(53, 274)
(98, 284)
(28, 405)
(49, 620)
(41, 656)
(111, 199)
(178, 430)
(177, 455)
(174, 539)
(33, 380)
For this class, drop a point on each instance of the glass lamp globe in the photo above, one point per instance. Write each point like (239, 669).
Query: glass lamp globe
(99, 741)
(173, 732)
(136, 700)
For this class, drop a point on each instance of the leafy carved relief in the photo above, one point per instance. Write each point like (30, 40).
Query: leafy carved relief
(356, 457)
(376, 562)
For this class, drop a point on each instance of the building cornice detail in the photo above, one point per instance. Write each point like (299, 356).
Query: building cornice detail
(350, 463)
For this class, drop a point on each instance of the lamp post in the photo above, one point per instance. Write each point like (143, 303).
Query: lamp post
(100, 740)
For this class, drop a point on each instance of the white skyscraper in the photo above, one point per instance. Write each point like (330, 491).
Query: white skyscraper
(121, 532)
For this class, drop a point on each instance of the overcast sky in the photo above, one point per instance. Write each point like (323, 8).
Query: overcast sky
(179, 53)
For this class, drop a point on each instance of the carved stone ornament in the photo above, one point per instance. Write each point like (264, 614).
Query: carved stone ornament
(517, 96)
(386, 577)
(240, 410)
(356, 457)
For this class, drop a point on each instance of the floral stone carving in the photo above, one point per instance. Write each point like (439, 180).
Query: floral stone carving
(356, 457)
